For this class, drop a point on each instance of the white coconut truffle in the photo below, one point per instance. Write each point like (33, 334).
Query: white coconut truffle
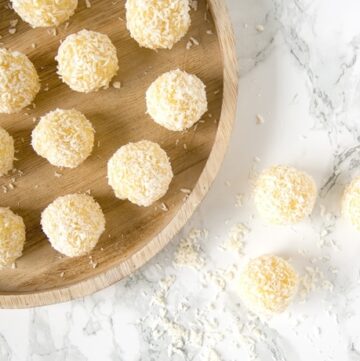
(44, 13)
(19, 81)
(268, 284)
(157, 24)
(87, 61)
(284, 195)
(12, 236)
(64, 137)
(73, 224)
(7, 152)
(176, 100)
(140, 172)
(350, 206)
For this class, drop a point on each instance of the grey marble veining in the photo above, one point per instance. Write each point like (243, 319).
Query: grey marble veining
(300, 70)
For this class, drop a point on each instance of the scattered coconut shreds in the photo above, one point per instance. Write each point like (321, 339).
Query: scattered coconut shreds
(239, 200)
(260, 119)
(185, 146)
(235, 241)
(164, 207)
(185, 190)
(116, 85)
(209, 32)
(192, 41)
(12, 31)
(88, 3)
(57, 174)
(188, 252)
(259, 28)
(62, 274)
(13, 265)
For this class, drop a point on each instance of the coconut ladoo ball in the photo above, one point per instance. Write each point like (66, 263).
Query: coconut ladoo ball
(73, 224)
(157, 24)
(176, 100)
(268, 284)
(87, 61)
(44, 13)
(284, 195)
(140, 172)
(350, 206)
(64, 137)
(12, 236)
(19, 81)
(7, 152)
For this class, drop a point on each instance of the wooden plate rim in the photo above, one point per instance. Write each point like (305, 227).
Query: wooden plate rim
(230, 89)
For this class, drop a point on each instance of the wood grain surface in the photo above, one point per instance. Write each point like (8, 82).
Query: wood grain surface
(133, 234)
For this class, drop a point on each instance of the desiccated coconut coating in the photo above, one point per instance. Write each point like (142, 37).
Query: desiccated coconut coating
(87, 61)
(19, 81)
(157, 24)
(351, 203)
(140, 172)
(64, 137)
(7, 152)
(12, 236)
(73, 224)
(176, 100)
(284, 195)
(268, 284)
(43, 13)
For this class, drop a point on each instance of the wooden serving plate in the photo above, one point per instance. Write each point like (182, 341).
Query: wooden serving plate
(133, 234)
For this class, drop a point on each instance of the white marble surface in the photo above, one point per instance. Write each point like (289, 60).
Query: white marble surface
(302, 74)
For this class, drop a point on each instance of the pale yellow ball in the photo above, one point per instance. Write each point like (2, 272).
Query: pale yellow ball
(351, 203)
(7, 152)
(268, 284)
(19, 81)
(73, 224)
(157, 24)
(284, 195)
(64, 137)
(44, 13)
(176, 100)
(140, 172)
(87, 61)
(12, 236)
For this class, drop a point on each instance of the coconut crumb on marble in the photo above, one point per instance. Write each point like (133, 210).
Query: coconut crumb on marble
(88, 3)
(259, 119)
(259, 28)
(188, 253)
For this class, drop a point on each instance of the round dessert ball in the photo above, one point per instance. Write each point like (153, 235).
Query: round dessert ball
(73, 224)
(19, 81)
(176, 100)
(157, 24)
(284, 195)
(268, 284)
(7, 152)
(43, 13)
(140, 172)
(87, 61)
(351, 203)
(12, 236)
(64, 137)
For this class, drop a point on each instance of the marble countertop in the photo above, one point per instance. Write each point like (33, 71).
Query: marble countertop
(300, 73)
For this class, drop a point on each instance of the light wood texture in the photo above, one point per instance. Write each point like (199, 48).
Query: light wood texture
(133, 235)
